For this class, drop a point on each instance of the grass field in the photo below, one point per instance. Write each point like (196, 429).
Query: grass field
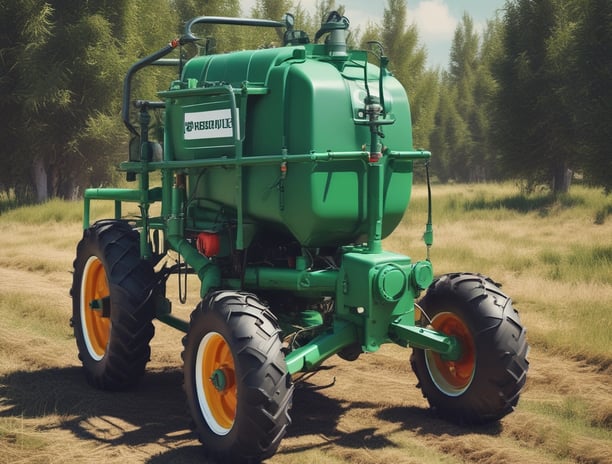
(552, 255)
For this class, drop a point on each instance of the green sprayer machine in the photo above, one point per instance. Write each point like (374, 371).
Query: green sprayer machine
(279, 173)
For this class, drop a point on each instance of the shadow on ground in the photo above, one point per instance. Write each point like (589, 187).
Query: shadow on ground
(155, 412)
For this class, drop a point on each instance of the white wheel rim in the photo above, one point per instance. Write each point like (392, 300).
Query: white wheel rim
(84, 307)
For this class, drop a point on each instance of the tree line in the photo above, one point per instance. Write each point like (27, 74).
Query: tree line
(527, 98)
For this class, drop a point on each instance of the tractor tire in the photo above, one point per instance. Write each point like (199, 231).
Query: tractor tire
(236, 382)
(112, 339)
(484, 384)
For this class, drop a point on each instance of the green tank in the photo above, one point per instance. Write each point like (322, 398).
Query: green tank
(307, 105)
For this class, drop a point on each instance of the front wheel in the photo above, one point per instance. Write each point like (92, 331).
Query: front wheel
(484, 384)
(236, 382)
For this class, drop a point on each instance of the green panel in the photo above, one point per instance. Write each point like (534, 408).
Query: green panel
(199, 125)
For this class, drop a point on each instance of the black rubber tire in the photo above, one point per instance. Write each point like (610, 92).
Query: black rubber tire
(114, 350)
(494, 335)
(256, 412)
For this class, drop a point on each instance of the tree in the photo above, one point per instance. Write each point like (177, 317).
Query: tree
(25, 28)
(461, 140)
(593, 89)
(535, 124)
(62, 79)
(449, 132)
(407, 63)
(467, 159)
(485, 90)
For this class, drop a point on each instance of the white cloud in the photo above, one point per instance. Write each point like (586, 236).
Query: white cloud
(434, 20)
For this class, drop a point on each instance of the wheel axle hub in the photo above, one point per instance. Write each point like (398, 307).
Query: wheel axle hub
(219, 379)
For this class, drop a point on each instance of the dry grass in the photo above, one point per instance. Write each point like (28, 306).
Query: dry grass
(553, 258)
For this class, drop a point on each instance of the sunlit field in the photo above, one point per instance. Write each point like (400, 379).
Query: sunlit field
(553, 256)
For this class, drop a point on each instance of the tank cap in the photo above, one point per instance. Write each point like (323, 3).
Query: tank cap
(336, 26)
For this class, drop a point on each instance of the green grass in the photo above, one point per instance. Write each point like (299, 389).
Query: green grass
(51, 211)
(36, 313)
(552, 255)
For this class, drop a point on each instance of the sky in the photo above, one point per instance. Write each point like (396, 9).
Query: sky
(436, 20)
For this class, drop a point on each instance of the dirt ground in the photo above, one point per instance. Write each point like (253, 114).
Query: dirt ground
(363, 412)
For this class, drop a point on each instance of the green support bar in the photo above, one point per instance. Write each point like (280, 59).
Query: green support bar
(174, 322)
(323, 282)
(118, 195)
(261, 160)
(426, 339)
(322, 347)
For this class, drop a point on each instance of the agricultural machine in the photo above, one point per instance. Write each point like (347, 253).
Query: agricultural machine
(279, 173)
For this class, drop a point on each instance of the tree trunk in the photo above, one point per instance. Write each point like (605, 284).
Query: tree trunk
(39, 175)
(562, 179)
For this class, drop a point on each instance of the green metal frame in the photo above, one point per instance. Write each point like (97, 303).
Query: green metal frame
(374, 290)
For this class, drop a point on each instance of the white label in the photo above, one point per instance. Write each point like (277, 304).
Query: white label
(208, 124)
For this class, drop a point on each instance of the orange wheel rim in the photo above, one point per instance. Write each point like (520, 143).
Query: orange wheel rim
(216, 383)
(96, 328)
(453, 377)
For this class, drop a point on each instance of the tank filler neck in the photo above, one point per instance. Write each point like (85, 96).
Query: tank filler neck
(337, 27)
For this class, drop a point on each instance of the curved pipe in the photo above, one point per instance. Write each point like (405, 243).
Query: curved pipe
(189, 36)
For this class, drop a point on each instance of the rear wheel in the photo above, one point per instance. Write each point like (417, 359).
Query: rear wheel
(110, 290)
(484, 384)
(236, 382)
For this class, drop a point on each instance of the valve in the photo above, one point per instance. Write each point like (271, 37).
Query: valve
(336, 26)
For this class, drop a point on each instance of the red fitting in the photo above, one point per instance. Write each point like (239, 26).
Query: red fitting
(208, 244)
(374, 157)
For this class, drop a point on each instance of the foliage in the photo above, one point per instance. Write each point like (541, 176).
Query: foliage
(407, 56)
(62, 81)
(545, 122)
(25, 28)
(592, 74)
(461, 141)
(527, 98)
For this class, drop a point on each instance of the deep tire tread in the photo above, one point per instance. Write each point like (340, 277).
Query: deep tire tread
(265, 389)
(501, 349)
(131, 282)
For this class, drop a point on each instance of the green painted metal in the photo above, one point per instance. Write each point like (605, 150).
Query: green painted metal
(218, 379)
(285, 146)
(407, 334)
(308, 357)
(174, 322)
(312, 110)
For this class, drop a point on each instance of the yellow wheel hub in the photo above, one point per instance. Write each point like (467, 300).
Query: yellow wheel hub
(216, 383)
(96, 328)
